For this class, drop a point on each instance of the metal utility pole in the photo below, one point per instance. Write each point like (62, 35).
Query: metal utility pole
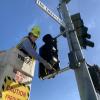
(85, 85)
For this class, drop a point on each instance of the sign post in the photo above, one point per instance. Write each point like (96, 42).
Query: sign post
(84, 82)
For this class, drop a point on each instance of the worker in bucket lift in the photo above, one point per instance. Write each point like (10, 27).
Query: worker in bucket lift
(28, 46)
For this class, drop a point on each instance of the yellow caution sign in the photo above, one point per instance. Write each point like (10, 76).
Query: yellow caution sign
(12, 90)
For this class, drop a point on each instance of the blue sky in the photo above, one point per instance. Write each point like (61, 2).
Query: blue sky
(16, 19)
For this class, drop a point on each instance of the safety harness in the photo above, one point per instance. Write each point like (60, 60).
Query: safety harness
(21, 49)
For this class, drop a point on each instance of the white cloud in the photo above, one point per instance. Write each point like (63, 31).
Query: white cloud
(91, 24)
(50, 28)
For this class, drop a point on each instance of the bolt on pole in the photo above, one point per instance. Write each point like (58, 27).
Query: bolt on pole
(84, 82)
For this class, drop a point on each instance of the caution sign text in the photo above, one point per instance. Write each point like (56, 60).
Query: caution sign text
(12, 90)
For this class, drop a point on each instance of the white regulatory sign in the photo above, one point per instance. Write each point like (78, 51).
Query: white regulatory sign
(49, 12)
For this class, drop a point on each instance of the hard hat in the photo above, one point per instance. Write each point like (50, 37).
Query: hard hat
(36, 31)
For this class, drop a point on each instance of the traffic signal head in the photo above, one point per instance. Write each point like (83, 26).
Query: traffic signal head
(82, 31)
(49, 52)
(95, 75)
(47, 39)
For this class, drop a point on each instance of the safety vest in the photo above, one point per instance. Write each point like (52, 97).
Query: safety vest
(19, 45)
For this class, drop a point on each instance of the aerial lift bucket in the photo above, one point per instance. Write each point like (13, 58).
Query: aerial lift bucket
(17, 65)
